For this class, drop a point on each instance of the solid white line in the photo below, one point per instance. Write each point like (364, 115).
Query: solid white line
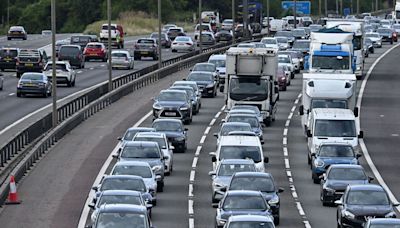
(86, 209)
(194, 163)
(203, 138)
(207, 130)
(192, 175)
(367, 157)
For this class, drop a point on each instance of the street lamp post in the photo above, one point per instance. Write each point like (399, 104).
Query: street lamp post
(233, 21)
(326, 8)
(53, 63)
(268, 17)
(8, 12)
(110, 87)
(159, 35)
(200, 28)
(295, 13)
(245, 18)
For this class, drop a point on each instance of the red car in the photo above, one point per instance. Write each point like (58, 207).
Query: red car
(95, 50)
(283, 76)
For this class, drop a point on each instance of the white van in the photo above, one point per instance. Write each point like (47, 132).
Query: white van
(332, 125)
(240, 147)
(277, 25)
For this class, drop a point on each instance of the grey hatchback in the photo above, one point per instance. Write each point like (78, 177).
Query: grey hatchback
(73, 54)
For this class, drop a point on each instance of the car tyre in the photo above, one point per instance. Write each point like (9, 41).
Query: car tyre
(315, 178)
(160, 187)
(19, 94)
(276, 219)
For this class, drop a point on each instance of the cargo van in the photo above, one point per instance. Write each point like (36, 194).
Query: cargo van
(332, 125)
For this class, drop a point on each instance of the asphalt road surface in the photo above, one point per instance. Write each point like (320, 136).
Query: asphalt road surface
(55, 191)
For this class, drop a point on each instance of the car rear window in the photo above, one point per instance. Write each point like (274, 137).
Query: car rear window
(119, 55)
(94, 46)
(80, 39)
(8, 53)
(105, 27)
(65, 50)
(146, 41)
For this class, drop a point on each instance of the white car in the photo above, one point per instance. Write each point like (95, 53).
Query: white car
(283, 42)
(168, 26)
(227, 24)
(285, 59)
(165, 147)
(270, 42)
(64, 73)
(122, 59)
(375, 38)
(182, 43)
(219, 60)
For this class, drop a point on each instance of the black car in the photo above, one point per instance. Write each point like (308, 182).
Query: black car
(258, 181)
(173, 104)
(30, 60)
(34, 83)
(362, 202)
(73, 54)
(223, 35)
(368, 47)
(205, 81)
(336, 179)
(386, 34)
(175, 132)
(175, 32)
(8, 58)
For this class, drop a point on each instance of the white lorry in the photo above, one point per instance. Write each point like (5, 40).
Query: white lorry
(327, 91)
(331, 53)
(397, 11)
(332, 125)
(251, 80)
(355, 26)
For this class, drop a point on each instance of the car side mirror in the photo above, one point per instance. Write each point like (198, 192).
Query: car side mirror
(91, 206)
(215, 135)
(338, 202)
(266, 159)
(396, 204)
(190, 69)
(358, 155)
(119, 138)
(213, 159)
(280, 190)
(186, 129)
(221, 88)
(312, 154)
(163, 147)
(95, 188)
(158, 178)
(370, 179)
(262, 142)
(212, 173)
(115, 155)
(309, 134)
(171, 147)
(356, 111)
(301, 110)
(361, 135)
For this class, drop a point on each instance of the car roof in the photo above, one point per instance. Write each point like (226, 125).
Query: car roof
(205, 63)
(71, 45)
(252, 174)
(185, 82)
(58, 62)
(243, 193)
(236, 161)
(172, 90)
(244, 111)
(243, 115)
(150, 134)
(201, 72)
(141, 144)
(347, 166)
(177, 87)
(140, 128)
(121, 193)
(240, 140)
(35, 73)
(132, 163)
(217, 56)
(235, 124)
(108, 208)
(371, 187)
(385, 221)
(168, 120)
(132, 177)
(333, 113)
(252, 218)
(119, 51)
(9, 48)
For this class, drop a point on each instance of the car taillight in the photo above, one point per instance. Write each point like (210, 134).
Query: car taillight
(84, 51)
(78, 56)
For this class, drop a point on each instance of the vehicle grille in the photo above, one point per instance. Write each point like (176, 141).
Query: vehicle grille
(167, 113)
(367, 217)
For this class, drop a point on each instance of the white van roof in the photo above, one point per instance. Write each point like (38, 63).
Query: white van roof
(240, 140)
(333, 114)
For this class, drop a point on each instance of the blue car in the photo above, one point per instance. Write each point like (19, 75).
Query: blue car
(332, 153)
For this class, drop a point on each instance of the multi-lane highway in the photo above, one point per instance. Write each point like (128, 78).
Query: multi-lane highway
(93, 73)
(55, 191)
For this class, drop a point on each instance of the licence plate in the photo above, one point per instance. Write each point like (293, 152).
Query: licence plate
(30, 84)
(7, 59)
(93, 54)
(181, 44)
(170, 114)
(145, 52)
(29, 64)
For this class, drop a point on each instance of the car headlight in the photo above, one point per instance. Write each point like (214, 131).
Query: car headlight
(348, 214)
(157, 168)
(184, 108)
(318, 163)
(156, 106)
(390, 215)
(181, 138)
(210, 85)
(274, 200)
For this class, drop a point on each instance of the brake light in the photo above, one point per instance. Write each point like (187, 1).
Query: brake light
(84, 51)
(78, 56)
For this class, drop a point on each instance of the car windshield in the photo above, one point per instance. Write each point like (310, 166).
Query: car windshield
(200, 77)
(246, 107)
(130, 133)
(4, 53)
(240, 152)
(346, 174)
(182, 39)
(158, 140)
(367, 197)
(146, 41)
(284, 33)
(299, 32)
(384, 31)
(227, 21)
(283, 59)
(69, 51)
(281, 39)
(58, 67)
(190, 92)
(167, 126)
(376, 35)
(94, 46)
(119, 55)
(142, 171)
(262, 184)
(121, 220)
(331, 62)
(230, 169)
(119, 199)
(229, 128)
(33, 77)
(204, 67)
(140, 152)
(248, 89)
(336, 151)
(335, 128)
(268, 41)
(301, 44)
(105, 27)
(171, 96)
(251, 224)
(253, 121)
(123, 184)
(234, 202)
(328, 103)
(80, 39)
(217, 62)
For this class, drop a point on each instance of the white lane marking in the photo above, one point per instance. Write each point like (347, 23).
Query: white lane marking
(91, 68)
(367, 157)
(207, 130)
(287, 165)
(194, 163)
(86, 209)
(190, 193)
(79, 72)
(381, 116)
(198, 150)
(212, 122)
(217, 115)
(203, 138)
(192, 175)
(102, 65)
(299, 96)
(191, 222)
(11, 94)
(190, 207)
(395, 135)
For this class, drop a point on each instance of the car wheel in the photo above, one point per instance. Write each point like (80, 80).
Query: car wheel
(315, 178)
(18, 75)
(276, 219)
(160, 187)
(284, 88)
(45, 94)
(292, 75)
(19, 94)
(8, 38)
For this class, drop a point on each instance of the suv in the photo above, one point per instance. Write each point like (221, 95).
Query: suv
(146, 47)
(117, 35)
(8, 58)
(73, 54)
(16, 32)
(30, 60)
(64, 73)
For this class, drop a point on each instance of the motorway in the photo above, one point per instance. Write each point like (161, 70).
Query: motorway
(94, 72)
(55, 191)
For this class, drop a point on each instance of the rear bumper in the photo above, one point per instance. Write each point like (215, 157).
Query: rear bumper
(7, 65)
(145, 53)
(25, 90)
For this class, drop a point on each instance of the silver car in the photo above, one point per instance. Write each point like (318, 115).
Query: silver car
(223, 173)
(164, 145)
(122, 59)
(183, 43)
(141, 169)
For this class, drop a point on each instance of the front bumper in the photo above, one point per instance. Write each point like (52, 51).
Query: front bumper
(169, 113)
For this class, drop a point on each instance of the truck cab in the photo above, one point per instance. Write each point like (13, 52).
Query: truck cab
(251, 80)
(332, 125)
